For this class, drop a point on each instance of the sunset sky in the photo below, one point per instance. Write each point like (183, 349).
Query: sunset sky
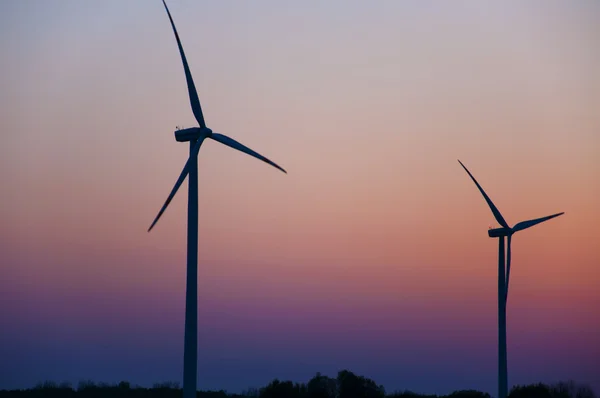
(371, 254)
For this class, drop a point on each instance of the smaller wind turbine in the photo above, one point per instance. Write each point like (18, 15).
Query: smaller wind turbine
(503, 277)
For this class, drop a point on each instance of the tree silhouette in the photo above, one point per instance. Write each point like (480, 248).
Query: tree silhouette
(345, 385)
(469, 394)
(353, 386)
(322, 387)
(285, 389)
(531, 391)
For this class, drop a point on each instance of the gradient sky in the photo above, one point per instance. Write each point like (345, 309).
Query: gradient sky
(371, 254)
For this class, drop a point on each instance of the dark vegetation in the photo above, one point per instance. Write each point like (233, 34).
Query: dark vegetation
(346, 385)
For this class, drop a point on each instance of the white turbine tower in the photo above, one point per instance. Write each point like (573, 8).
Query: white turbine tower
(195, 136)
(503, 278)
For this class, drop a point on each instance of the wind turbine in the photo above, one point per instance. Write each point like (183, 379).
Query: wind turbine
(195, 136)
(503, 277)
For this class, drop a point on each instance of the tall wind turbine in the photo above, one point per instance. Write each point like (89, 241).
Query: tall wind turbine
(195, 136)
(503, 278)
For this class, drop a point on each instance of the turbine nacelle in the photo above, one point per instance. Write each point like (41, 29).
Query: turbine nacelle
(499, 232)
(192, 134)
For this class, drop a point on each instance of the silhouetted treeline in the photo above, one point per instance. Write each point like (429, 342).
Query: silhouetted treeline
(345, 385)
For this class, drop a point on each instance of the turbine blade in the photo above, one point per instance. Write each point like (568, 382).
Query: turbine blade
(507, 268)
(194, 101)
(180, 180)
(230, 142)
(494, 209)
(530, 223)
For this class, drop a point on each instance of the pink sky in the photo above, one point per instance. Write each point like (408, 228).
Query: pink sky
(375, 242)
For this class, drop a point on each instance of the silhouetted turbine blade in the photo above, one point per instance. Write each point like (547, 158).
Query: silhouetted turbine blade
(180, 180)
(188, 77)
(509, 238)
(494, 209)
(230, 142)
(530, 223)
